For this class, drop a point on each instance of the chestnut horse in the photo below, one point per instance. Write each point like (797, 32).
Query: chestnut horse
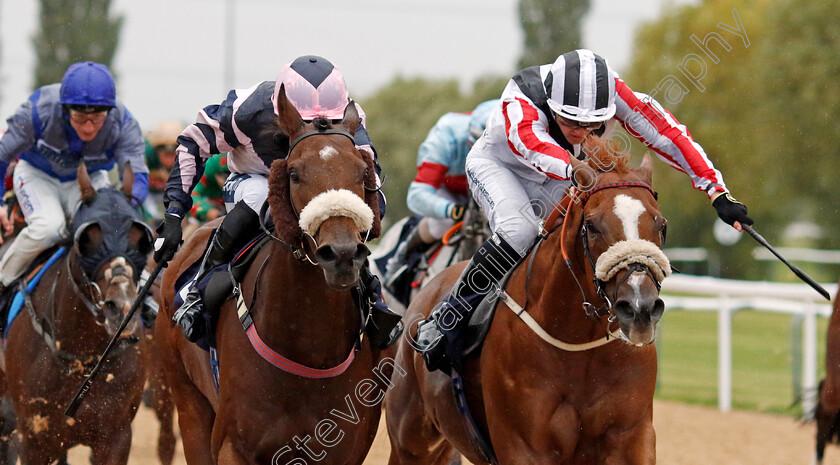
(300, 315)
(828, 407)
(578, 387)
(66, 322)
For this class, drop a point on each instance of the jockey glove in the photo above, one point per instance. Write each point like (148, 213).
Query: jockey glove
(730, 210)
(169, 238)
(456, 212)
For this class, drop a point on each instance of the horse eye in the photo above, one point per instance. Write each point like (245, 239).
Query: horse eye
(294, 176)
(592, 230)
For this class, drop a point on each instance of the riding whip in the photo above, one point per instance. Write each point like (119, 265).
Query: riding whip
(755, 235)
(141, 296)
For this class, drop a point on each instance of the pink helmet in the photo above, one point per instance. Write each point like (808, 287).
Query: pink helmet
(314, 86)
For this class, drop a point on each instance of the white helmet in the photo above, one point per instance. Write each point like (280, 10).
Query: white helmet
(582, 87)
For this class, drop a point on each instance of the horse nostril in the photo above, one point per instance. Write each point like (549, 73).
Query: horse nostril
(362, 252)
(624, 309)
(325, 254)
(658, 310)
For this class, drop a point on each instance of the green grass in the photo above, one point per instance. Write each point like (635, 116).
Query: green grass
(762, 377)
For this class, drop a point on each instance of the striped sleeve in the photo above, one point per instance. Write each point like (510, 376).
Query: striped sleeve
(645, 119)
(214, 131)
(528, 138)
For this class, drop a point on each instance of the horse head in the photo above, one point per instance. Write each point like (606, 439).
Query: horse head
(324, 194)
(620, 236)
(111, 245)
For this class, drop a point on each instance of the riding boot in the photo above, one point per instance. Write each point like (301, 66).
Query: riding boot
(383, 327)
(232, 234)
(438, 338)
(396, 265)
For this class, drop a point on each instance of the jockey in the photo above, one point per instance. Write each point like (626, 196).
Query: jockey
(439, 192)
(317, 89)
(57, 128)
(544, 116)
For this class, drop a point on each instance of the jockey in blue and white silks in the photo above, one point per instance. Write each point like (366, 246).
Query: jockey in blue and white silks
(317, 89)
(523, 159)
(439, 192)
(56, 129)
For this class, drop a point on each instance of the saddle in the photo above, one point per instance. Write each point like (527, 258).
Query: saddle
(217, 286)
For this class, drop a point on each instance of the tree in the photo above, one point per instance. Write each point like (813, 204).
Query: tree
(759, 102)
(551, 27)
(72, 31)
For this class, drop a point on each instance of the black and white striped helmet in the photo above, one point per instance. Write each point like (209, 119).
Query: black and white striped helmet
(581, 87)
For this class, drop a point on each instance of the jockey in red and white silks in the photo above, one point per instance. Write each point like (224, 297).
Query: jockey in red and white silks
(523, 157)
(520, 168)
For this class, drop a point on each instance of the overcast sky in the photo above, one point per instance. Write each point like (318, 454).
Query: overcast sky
(172, 55)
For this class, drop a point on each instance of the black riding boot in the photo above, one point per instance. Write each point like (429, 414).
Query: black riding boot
(236, 229)
(396, 265)
(438, 338)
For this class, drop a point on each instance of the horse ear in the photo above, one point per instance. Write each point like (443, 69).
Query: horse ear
(646, 168)
(127, 180)
(279, 199)
(288, 118)
(351, 119)
(85, 186)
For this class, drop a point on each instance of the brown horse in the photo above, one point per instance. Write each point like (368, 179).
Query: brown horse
(66, 322)
(300, 315)
(828, 407)
(157, 395)
(556, 385)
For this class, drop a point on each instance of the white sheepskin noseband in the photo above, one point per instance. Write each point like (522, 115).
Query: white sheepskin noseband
(331, 203)
(623, 253)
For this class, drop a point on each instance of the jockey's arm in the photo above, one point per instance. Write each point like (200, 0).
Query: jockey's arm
(645, 119)
(530, 141)
(131, 149)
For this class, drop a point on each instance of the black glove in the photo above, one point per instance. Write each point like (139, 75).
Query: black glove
(456, 212)
(169, 238)
(731, 210)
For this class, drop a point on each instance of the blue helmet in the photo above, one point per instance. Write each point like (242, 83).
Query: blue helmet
(88, 83)
(479, 117)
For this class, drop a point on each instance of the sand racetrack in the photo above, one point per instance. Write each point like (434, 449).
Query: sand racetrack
(686, 435)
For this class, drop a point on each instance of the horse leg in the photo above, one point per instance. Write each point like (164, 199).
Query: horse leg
(8, 435)
(825, 425)
(165, 410)
(112, 449)
(229, 455)
(195, 417)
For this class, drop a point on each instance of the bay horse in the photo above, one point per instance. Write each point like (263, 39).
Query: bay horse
(66, 322)
(288, 378)
(828, 406)
(568, 369)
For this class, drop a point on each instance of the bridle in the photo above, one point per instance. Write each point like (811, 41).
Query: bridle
(600, 285)
(299, 250)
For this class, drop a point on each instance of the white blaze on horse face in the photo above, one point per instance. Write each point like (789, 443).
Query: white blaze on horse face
(328, 152)
(628, 210)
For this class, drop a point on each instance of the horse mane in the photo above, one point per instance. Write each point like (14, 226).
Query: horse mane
(603, 155)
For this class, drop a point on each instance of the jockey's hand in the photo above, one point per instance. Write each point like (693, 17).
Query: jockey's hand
(731, 211)
(456, 212)
(5, 222)
(169, 238)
